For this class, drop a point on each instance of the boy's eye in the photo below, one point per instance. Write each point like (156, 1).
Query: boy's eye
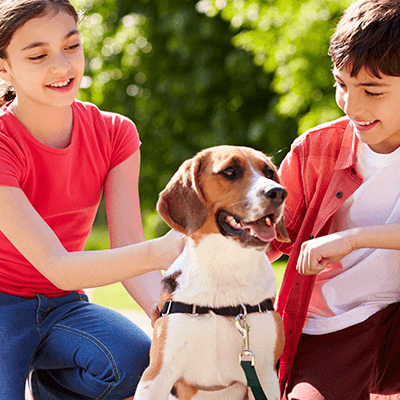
(339, 84)
(373, 94)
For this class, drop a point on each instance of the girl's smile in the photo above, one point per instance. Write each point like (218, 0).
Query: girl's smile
(62, 86)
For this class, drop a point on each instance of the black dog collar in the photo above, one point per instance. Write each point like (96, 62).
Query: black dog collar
(172, 307)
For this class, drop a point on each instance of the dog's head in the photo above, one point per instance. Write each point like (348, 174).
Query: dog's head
(234, 191)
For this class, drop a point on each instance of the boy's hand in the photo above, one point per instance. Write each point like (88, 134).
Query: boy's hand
(317, 253)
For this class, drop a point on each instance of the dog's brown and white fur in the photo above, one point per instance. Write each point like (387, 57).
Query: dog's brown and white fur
(229, 203)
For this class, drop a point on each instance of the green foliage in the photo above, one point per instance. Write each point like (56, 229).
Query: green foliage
(289, 38)
(193, 74)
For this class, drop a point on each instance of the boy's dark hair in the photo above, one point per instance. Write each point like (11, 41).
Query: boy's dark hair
(368, 35)
(14, 14)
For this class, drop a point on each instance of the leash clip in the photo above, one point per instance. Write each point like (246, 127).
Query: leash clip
(247, 355)
(247, 358)
(243, 328)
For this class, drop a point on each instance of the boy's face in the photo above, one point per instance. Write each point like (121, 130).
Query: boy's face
(373, 105)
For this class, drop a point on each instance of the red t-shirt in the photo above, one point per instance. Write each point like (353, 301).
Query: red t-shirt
(63, 185)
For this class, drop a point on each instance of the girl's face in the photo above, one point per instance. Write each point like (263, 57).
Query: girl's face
(45, 61)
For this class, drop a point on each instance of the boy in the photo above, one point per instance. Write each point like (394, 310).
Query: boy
(341, 307)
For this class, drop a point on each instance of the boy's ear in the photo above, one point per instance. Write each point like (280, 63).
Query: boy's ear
(4, 74)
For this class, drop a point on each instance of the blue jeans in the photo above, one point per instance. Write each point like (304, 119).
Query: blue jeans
(77, 350)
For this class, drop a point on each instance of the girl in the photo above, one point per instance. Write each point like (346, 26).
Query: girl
(57, 155)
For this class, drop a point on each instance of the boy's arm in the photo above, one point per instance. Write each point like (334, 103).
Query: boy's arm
(273, 253)
(317, 253)
(291, 173)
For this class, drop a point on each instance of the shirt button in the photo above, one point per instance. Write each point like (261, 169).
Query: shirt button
(339, 194)
(353, 171)
(310, 237)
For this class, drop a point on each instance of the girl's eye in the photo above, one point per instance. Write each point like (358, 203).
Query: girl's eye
(39, 57)
(73, 47)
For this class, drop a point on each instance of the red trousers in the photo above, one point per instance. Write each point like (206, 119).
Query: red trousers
(351, 363)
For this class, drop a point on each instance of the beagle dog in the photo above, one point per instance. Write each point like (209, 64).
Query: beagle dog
(229, 203)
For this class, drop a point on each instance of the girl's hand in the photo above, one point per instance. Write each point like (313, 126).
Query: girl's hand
(317, 253)
(168, 248)
(154, 314)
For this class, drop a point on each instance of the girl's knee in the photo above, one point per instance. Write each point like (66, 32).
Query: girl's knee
(130, 366)
(131, 361)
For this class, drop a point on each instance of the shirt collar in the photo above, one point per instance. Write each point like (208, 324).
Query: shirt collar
(348, 151)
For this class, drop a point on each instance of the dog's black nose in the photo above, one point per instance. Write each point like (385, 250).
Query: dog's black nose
(276, 195)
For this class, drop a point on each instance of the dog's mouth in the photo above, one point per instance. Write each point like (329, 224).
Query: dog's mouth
(261, 230)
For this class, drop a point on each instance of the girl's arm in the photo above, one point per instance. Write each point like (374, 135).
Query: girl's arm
(317, 253)
(30, 234)
(125, 225)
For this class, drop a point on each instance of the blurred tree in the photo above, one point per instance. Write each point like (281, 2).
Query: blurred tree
(193, 74)
(289, 38)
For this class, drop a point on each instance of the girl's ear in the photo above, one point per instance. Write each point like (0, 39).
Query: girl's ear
(4, 74)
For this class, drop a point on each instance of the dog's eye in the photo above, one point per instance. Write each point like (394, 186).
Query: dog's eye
(232, 172)
(269, 173)
(229, 172)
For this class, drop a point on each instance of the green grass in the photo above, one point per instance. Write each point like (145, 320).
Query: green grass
(115, 296)
(98, 239)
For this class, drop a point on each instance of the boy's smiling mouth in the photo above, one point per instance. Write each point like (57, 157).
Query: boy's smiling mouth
(364, 125)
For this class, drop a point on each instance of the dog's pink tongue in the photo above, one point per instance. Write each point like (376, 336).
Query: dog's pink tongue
(264, 232)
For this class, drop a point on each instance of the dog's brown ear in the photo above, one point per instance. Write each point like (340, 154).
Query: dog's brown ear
(281, 232)
(181, 203)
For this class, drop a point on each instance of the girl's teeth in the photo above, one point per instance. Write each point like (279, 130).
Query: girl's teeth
(365, 123)
(61, 84)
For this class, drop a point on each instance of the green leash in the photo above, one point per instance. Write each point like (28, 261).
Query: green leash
(247, 358)
(252, 380)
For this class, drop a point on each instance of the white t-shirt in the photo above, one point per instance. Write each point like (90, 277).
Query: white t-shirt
(366, 280)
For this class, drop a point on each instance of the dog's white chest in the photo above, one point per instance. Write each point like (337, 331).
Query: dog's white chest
(206, 348)
(218, 273)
